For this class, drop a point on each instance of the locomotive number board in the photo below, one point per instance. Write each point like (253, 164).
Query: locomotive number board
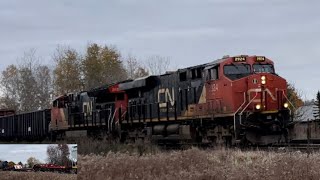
(260, 59)
(239, 59)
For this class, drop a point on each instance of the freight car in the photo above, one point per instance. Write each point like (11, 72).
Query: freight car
(26, 126)
(228, 101)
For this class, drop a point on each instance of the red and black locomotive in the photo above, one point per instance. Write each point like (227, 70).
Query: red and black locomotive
(227, 101)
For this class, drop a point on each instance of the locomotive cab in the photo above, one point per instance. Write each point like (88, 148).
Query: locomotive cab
(259, 100)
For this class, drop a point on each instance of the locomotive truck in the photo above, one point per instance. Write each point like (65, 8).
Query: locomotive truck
(231, 100)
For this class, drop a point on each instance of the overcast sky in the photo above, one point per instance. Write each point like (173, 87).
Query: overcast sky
(190, 32)
(21, 152)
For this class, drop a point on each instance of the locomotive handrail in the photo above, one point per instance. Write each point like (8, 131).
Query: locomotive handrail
(249, 103)
(244, 101)
(240, 120)
(241, 112)
(288, 99)
(294, 108)
(111, 120)
(234, 116)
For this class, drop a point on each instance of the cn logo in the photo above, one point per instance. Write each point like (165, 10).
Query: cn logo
(168, 97)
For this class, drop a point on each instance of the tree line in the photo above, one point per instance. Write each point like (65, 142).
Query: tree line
(58, 154)
(30, 85)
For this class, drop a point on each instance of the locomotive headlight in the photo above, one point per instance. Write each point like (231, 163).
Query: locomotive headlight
(263, 79)
(285, 105)
(258, 107)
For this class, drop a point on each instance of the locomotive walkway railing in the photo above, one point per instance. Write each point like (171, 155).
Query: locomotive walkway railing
(150, 112)
(102, 117)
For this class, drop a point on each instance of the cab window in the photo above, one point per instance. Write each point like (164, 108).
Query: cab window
(236, 71)
(196, 73)
(55, 103)
(212, 74)
(183, 76)
(263, 68)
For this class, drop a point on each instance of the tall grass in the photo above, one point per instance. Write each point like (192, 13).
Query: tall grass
(89, 146)
(201, 164)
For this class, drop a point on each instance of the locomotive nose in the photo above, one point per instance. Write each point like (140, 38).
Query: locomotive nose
(261, 91)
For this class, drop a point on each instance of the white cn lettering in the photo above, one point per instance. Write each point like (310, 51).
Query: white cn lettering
(169, 97)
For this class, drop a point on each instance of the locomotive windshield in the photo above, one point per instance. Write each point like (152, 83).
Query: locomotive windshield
(237, 71)
(263, 68)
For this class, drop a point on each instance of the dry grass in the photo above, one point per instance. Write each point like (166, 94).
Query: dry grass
(89, 146)
(201, 164)
(35, 176)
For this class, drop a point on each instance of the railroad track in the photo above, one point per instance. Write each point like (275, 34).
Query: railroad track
(288, 147)
(283, 147)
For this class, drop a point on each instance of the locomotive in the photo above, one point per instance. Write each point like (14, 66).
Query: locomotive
(228, 101)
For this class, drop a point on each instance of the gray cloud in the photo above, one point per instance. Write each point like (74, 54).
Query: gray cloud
(190, 32)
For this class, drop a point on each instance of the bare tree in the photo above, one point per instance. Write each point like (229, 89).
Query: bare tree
(26, 87)
(28, 91)
(131, 66)
(44, 83)
(64, 149)
(10, 88)
(134, 68)
(29, 60)
(53, 154)
(158, 64)
(58, 154)
(31, 162)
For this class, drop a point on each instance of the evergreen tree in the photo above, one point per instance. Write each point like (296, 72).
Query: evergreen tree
(316, 113)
